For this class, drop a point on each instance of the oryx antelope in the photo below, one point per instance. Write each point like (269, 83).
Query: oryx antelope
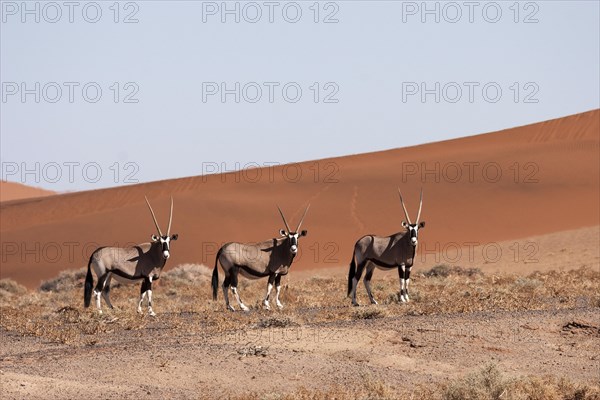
(271, 258)
(143, 262)
(395, 251)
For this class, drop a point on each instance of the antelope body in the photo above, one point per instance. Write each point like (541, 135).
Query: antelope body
(143, 262)
(272, 258)
(387, 253)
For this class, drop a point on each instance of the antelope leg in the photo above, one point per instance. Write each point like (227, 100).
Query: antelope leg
(226, 283)
(406, 282)
(98, 290)
(269, 288)
(401, 271)
(239, 300)
(277, 291)
(359, 270)
(106, 291)
(143, 294)
(234, 281)
(367, 281)
(149, 291)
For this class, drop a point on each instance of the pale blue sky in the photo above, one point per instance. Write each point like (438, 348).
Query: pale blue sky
(371, 57)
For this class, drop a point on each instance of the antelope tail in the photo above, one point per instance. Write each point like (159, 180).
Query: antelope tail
(215, 275)
(351, 273)
(89, 284)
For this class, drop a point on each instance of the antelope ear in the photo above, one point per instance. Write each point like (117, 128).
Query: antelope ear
(154, 238)
(422, 224)
(282, 232)
(304, 232)
(175, 236)
(404, 224)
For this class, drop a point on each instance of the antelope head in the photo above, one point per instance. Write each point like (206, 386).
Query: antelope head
(413, 229)
(165, 240)
(293, 235)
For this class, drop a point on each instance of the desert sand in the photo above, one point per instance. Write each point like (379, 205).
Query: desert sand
(18, 191)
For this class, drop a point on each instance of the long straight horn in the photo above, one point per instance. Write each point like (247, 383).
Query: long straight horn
(420, 206)
(170, 218)
(153, 216)
(302, 219)
(404, 207)
(284, 221)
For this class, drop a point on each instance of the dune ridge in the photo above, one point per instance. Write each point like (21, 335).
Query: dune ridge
(17, 191)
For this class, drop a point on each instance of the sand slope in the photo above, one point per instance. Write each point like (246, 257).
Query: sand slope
(516, 183)
(17, 191)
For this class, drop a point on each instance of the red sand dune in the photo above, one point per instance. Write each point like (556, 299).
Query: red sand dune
(17, 191)
(549, 182)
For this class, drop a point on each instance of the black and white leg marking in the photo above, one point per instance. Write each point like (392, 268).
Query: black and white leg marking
(106, 291)
(234, 282)
(99, 289)
(404, 274)
(269, 288)
(406, 282)
(146, 292)
(278, 291)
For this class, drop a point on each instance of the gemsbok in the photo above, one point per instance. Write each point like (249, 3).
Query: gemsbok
(389, 252)
(271, 258)
(143, 262)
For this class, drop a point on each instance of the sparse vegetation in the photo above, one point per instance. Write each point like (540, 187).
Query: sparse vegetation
(65, 281)
(183, 301)
(307, 302)
(368, 313)
(276, 322)
(186, 274)
(10, 288)
(444, 271)
(487, 383)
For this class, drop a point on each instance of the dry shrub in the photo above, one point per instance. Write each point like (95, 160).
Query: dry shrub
(66, 280)
(486, 384)
(186, 274)
(276, 322)
(551, 388)
(369, 313)
(368, 388)
(10, 288)
(490, 384)
(444, 271)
